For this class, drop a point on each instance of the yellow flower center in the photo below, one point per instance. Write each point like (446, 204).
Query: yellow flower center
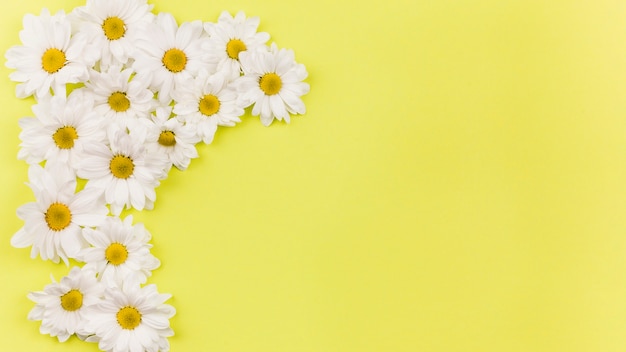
(72, 300)
(128, 318)
(53, 60)
(270, 83)
(114, 28)
(116, 253)
(119, 102)
(58, 216)
(121, 166)
(174, 60)
(64, 137)
(234, 47)
(167, 139)
(209, 105)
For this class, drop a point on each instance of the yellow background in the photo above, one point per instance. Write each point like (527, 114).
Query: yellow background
(457, 184)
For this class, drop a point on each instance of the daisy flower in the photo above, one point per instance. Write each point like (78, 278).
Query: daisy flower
(171, 138)
(131, 319)
(230, 36)
(52, 224)
(171, 56)
(120, 252)
(272, 81)
(123, 172)
(60, 130)
(61, 306)
(50, 57)
(119, 96)
(111, 26)
(206, 103)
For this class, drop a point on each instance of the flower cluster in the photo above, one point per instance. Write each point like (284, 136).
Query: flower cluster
(122, 95)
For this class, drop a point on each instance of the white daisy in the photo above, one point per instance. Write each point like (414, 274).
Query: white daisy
(132, 319)
(120, 252)
(52, 224)
(61, 306)
(123, 172)
(60, 130)
(171, 138)
(208, 102)
(112, 26)
(272, 81)
(50, 56)
(229, 37)
(119, 96)
(171, 56)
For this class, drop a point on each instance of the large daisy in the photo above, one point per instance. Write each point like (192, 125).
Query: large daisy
(60, 130)
(119, 96)
(49, 57)
(230, 36)
(171, 56)
(170, 137)
(112, 26)
(131, 319)
(123, 172)
(272, 81)
(61, 305)
(120, 252)
(209, 101)
(52, 224)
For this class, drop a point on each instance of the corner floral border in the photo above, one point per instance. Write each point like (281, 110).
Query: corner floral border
(122, 95)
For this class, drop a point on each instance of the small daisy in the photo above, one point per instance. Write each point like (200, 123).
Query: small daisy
(171, 138)
(231, 36)
(120, 252)
(119, 96)
(60, 130)
(208, 102)
(171, 56)
(123, 172)
(50, 56)
(52, 224)
(112, 25)
(131, 320)
(61, 306)
(272, 81)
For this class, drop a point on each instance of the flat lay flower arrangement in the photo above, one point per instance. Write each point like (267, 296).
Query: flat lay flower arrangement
(122, 95)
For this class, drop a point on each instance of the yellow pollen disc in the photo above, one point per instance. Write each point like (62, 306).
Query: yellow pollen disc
(174, 60)
(234, 47)
(53, 60)
(114, 28)
(128, 318)
(270, 83)
(119, 102)
(72, 300)
(209, 105)
(64, 137)
(167, 139)
(116, 253)
(58, 216)
(121, 166)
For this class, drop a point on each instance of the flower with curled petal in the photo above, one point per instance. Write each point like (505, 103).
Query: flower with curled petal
(272, 82)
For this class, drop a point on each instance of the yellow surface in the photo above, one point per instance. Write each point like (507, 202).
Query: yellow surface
(457, 184)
